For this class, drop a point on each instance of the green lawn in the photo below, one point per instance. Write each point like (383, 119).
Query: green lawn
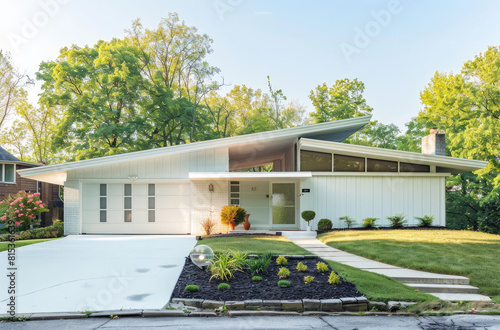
(472, 254)
(374, 286)
(4, 245)
(254, 244)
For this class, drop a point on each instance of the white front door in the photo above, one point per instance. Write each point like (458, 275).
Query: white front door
(283, 206)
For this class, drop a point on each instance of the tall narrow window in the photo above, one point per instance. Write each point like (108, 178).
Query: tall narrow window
(235, 192)
(10, 173)
(103, 192)
(127, 202)
(1, 172)
(151, 203)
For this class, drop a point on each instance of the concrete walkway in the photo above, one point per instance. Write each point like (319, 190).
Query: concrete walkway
(445, 287)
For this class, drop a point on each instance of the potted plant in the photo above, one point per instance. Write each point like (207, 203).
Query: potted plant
(232, 215)
(308, 216)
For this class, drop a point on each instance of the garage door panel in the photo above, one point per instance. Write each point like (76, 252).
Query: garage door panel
(172, 215)
(139, 190)
(171, 202)
(139, 202)
(91, 203)
(91, 216)
(90, 190)
(115, 190)
(115, 203)
(140, 216)
(173, 190)
(115, 216)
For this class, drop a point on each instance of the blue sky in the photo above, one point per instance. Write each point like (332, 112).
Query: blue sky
(299, 44)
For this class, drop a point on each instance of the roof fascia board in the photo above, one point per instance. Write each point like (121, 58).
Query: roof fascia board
(196, 146)
(396, 154)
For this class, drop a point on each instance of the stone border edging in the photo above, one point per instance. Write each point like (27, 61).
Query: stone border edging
(353, 304)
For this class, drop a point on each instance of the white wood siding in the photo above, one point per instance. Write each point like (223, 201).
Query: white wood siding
(176, 166)
(172, 211)
(332, 197)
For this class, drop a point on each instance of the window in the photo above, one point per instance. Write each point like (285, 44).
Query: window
(235, 192)
(348, 164)
(315, 161)
(151, 203)
(407, 167)
(127, 202)
(377, 165)
(8, 173)
(103, 189)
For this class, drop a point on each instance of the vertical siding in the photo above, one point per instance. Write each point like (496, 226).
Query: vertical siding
(175, 166)
(360, 197)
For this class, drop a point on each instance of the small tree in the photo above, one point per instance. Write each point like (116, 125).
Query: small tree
(348, 220)
(308, 216)
(23, 210)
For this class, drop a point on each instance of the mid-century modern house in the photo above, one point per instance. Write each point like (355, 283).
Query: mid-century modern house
(11, 183)
(171, 190)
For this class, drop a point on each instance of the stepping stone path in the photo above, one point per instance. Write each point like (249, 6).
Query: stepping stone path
(445, 287)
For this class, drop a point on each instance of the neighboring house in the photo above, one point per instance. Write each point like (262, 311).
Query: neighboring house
(171, 190)
(11, 183)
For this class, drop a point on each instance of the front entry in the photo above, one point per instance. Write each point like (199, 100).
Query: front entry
(283, 210)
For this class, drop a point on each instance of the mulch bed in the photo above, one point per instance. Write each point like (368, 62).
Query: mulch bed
(385, 228)
(243, 288)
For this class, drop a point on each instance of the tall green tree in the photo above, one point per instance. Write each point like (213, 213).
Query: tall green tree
(98, 89)
(341, 101)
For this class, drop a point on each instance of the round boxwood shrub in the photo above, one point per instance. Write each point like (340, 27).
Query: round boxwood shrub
(308, 215)
(284, 283)
(191, 288)
(224, 286)
(256, 278)
(325, 224)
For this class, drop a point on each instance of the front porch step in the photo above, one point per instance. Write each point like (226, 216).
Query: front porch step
(299, 234)
(443, 288)
(461, 297)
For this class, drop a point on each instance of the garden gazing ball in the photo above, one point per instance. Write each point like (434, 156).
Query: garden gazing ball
(201, 255)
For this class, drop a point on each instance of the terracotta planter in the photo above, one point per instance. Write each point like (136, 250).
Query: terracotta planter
(246, 224)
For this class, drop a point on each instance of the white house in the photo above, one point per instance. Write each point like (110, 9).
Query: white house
(170, 190)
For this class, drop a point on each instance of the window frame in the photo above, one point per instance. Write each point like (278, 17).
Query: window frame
(3, 171)
(151, 196)
(316, 152)
(105, 196)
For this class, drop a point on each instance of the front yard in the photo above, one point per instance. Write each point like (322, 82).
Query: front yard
(374, 286)
(471, 254)
(4, 246)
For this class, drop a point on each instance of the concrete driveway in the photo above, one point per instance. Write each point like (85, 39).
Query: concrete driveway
(96, 272)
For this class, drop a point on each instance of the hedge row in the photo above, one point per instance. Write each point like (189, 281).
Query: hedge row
(56, 230)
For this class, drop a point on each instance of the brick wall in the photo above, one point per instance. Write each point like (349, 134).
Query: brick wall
(71, 208)
(7, 189)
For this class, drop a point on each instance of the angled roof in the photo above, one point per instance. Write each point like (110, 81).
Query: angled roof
(6, 156)
(446, 164)
(266, 144)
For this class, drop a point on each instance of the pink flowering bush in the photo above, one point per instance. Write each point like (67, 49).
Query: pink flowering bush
(23, 209)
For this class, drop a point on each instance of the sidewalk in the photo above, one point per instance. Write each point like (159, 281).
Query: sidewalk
(445, 287)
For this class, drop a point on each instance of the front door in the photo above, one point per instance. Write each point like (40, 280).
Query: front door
(283, 212)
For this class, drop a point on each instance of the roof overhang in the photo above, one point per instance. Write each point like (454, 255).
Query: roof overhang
(242, 176)
(448, 164)
(244, 150)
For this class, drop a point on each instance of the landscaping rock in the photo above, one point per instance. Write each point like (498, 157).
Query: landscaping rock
(253, 304)
(262, 313)
(189, 302)
(271, 305)
(395, 305)
(311, 304)
(378, 305)
(202, 314)
(331, 305)
(235, 305)
(291, 305)
(348, 300)
(164, 313)
(362, 300)
(355, 307)
(212, 304)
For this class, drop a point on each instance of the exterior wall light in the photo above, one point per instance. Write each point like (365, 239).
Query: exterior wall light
(132, 178)
(211, 187)
(201, 255)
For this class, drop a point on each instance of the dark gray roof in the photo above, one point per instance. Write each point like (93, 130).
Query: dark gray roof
(6, 156)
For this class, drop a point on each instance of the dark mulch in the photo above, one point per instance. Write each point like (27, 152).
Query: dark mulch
(386, 228)
(242, 286)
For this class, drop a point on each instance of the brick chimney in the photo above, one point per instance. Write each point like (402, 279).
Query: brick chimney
(434, 143)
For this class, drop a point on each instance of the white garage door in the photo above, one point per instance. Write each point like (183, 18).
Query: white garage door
(136, 208)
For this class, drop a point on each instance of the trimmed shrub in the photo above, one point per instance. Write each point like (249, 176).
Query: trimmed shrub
(301, 267)
(191, 288)
(281, 260)
(56, 230)
(425, 221)
(224, 286)
(334, 279)
(348, 221)
(232, 214)
(258, 265)
(308, 215)
(308, 279)
(283, 272)
(369, 222)
(325, 224)
(397, 221)
(256, 278)
(322, 267)
(284, 283)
